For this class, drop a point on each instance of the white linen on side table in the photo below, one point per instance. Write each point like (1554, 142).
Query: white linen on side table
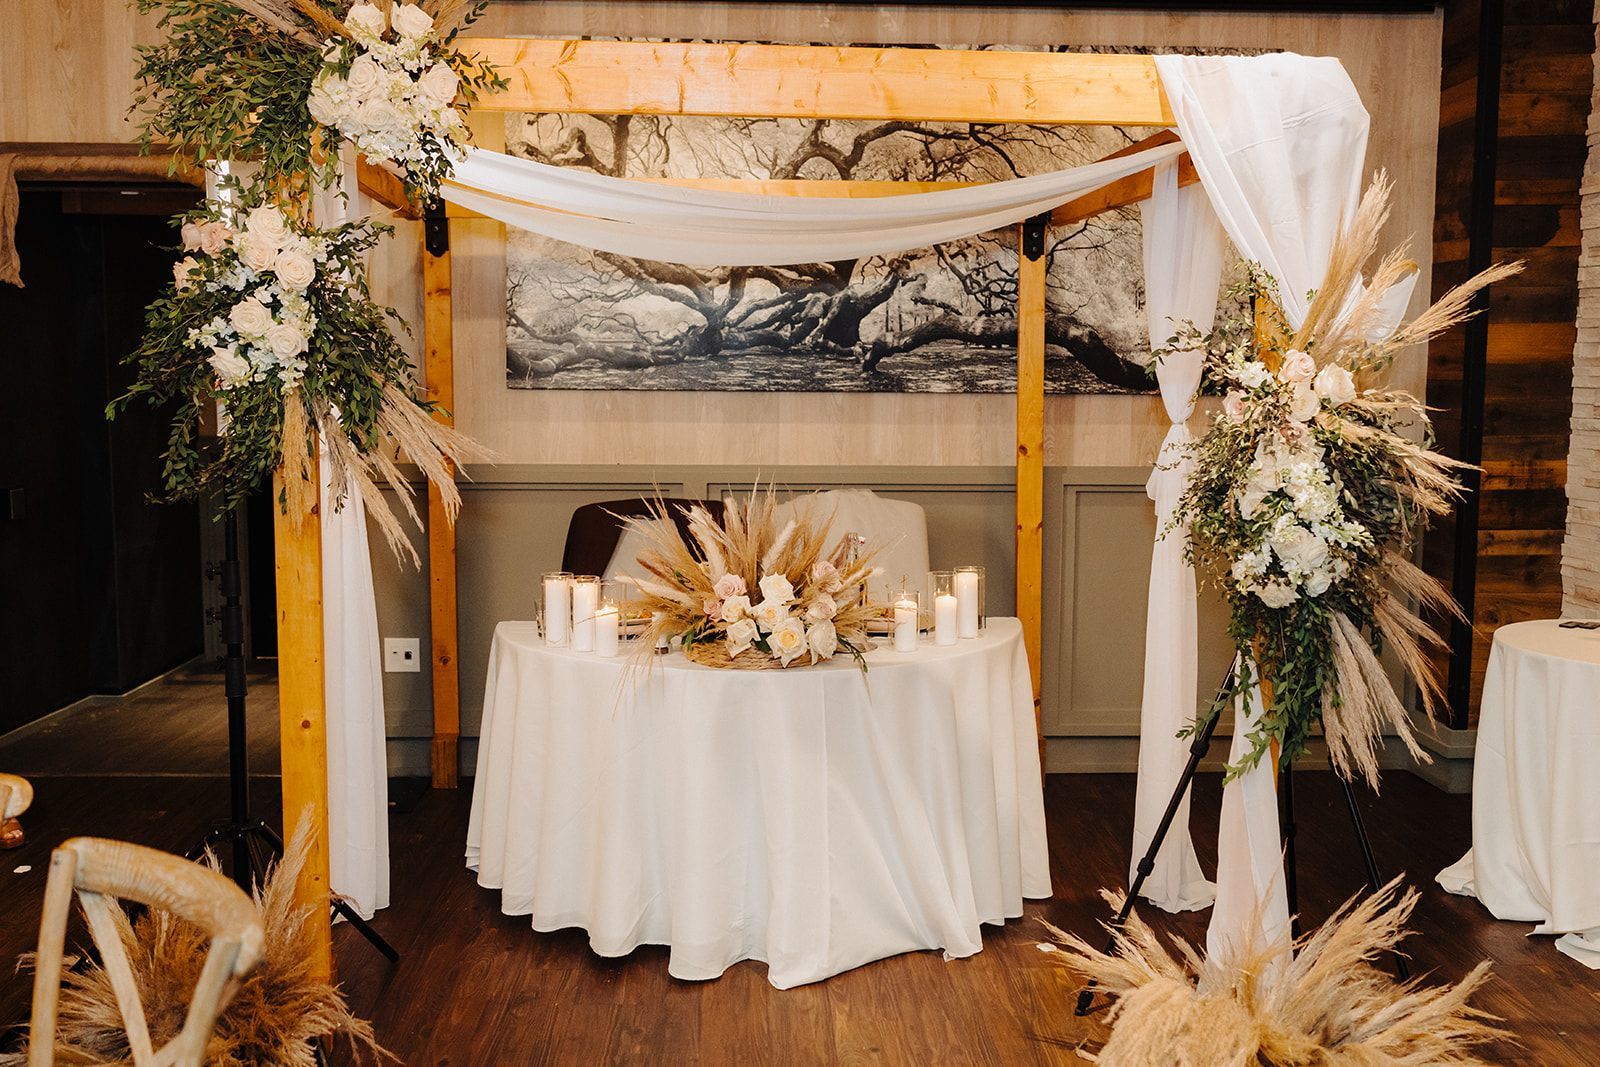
(1535, 853)
(816, 819)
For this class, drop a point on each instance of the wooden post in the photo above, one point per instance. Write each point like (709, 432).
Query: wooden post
(302, 722)
(439, 370)
(1030, 448)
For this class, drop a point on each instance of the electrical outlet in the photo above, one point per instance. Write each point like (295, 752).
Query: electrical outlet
(402, 655)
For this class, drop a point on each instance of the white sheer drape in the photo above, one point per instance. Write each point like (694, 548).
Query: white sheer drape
(1279, 142)
(1183, 252)
(358, 781)
(704, 227)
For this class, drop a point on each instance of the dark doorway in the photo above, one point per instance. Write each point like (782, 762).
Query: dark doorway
(100, 589)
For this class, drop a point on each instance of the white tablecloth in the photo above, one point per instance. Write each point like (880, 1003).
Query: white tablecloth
(816, 819)
(1535, 853)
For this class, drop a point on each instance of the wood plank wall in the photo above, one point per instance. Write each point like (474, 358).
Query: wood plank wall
(1537, 155)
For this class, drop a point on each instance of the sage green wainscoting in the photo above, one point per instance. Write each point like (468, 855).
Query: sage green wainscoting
(1099, 526)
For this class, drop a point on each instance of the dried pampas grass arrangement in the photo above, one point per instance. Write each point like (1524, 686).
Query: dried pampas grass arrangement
(1325, 1005)
(279, 1010)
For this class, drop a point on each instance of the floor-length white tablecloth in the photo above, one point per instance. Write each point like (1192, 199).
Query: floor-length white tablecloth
(816, 819)
(1535, 853)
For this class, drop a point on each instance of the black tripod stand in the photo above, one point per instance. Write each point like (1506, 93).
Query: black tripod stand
(252, 843)
(1286, 828)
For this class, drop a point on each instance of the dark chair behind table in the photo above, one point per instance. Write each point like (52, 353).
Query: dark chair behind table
(595, 529)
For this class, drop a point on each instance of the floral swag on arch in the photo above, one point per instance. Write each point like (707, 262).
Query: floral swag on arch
(271, 313)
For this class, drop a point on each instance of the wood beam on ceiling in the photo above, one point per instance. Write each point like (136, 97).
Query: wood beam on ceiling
(811, 81)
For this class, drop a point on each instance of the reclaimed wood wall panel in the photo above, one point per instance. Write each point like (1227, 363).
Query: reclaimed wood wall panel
(1580, 558)
(1539, 146)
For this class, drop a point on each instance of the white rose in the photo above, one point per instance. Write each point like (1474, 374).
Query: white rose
(182, 272)
(250, 317)
(379, 116)
(365, 79)
(1277, 594)
(777, 588)
(736, 607)
(1300, 550)
(1335, 385)
(1253, 375)
(365, 22)
(410, 21)
(787, 641)
(191, 236)
(825, 576)
(1318, 583)
(823, 639)
(232, 369)
(286, 341)
(741, 635)
(438, 85)
(257, 252)
(294, 268)
(822, 606)
(267, 222)
(214, 237)
(1263, 482)
(1304, 402)
(1297, 366)
(769, 614)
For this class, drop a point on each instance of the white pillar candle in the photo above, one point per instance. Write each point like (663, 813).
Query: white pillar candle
(656, 619)
(557, 610)
(605, 631)
(585, 599)
(944, 619)
(967, 602)
(905, 626)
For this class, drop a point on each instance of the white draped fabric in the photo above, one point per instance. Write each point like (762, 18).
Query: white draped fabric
(1279, 142)
(1183, 252)
(358, 779)
(705, 227)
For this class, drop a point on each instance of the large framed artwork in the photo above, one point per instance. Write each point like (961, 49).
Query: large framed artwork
(941, 319)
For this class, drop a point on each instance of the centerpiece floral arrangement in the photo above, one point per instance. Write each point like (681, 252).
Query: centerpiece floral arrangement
(745, 592)
(1309, 490)
(281, 81)
(273, 318)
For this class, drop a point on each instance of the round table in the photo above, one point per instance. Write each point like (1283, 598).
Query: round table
(1535, 853)
(815, 818)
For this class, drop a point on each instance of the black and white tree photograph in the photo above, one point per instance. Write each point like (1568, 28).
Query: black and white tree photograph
(940, 319)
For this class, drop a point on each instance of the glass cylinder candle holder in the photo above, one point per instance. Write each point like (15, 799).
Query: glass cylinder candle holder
(585, 602)
(906, 615)
(557, 610)
(607, 628)
(942, 595)
(971, 615)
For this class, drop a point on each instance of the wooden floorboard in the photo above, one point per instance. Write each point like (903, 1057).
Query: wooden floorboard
(478, 987)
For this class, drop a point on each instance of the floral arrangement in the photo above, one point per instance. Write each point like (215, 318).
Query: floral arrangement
(746, 593)
(1308, 493)
(279, 81)
(273, 318)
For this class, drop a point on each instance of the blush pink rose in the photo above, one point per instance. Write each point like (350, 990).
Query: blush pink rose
(714, 609)
(730, 585)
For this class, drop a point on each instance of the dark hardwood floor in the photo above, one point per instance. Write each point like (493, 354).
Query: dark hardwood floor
(476, 987)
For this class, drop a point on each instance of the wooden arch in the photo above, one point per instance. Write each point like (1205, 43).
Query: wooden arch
(743, 80)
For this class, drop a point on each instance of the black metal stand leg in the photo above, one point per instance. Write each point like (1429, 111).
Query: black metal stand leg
(1401, 969)
(341, 907)
(1147, 863)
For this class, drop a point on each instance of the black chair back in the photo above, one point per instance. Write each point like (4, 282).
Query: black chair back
(595, 529)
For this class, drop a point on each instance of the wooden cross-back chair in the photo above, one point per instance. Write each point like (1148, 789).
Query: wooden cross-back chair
(100, 871)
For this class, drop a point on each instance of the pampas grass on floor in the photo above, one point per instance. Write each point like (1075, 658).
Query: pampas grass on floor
(1326, 1005)
(273, 1018)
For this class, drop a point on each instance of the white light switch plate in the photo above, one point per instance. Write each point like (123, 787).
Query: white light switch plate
(402, 655)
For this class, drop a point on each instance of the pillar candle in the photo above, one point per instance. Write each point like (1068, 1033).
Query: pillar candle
(944, 619)
(585, 599)
(967, 602)
(557, 610)
(605, 631)
(905, 626)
